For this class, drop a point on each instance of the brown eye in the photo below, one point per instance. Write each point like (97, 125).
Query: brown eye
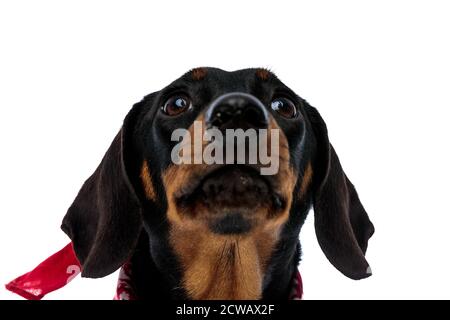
(176, 105)
(284, 107)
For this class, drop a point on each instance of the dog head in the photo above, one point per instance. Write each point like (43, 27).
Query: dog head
(178, 168)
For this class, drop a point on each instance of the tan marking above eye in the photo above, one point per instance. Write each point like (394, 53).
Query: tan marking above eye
(198, 73)
(147, 182)
(263, 74)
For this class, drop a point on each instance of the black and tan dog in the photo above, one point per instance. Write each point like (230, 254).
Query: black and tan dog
(197, 231)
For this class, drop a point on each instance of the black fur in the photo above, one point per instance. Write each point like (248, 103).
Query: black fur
(111, 220)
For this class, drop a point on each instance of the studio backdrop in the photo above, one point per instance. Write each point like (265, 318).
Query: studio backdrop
(378, 73)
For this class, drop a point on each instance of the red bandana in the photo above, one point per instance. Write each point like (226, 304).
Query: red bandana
(60, 268)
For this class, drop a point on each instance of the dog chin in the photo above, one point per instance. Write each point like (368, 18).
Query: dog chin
(231, 224)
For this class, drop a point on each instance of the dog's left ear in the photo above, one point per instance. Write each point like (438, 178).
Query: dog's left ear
(342, 225)
(104, 221)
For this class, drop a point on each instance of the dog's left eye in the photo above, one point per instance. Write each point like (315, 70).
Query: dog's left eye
(284, 107)
(176, 105)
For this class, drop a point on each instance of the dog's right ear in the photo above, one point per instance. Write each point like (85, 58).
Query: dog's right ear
(104, 221)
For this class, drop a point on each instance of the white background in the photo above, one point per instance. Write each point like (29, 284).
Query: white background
(378, 71)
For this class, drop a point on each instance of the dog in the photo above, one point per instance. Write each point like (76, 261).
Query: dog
(217, 231)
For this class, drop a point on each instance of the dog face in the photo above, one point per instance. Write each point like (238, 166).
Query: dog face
(224, 198)
(224, 215)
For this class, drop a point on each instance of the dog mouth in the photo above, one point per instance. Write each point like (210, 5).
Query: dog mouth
(232, 197)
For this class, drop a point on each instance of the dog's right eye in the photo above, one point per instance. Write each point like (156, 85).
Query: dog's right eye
(176, 104)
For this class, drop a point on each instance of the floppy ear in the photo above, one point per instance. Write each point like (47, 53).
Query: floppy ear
(342, 225)
(104, 221)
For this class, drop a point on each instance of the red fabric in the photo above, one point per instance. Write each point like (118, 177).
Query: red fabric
(124, 290)
(296, 287)
(63, 266)
(55, 272)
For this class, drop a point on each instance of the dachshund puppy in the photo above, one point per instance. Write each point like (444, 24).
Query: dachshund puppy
(223, 229)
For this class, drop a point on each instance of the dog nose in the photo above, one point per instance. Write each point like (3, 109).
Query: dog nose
(237, 110)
